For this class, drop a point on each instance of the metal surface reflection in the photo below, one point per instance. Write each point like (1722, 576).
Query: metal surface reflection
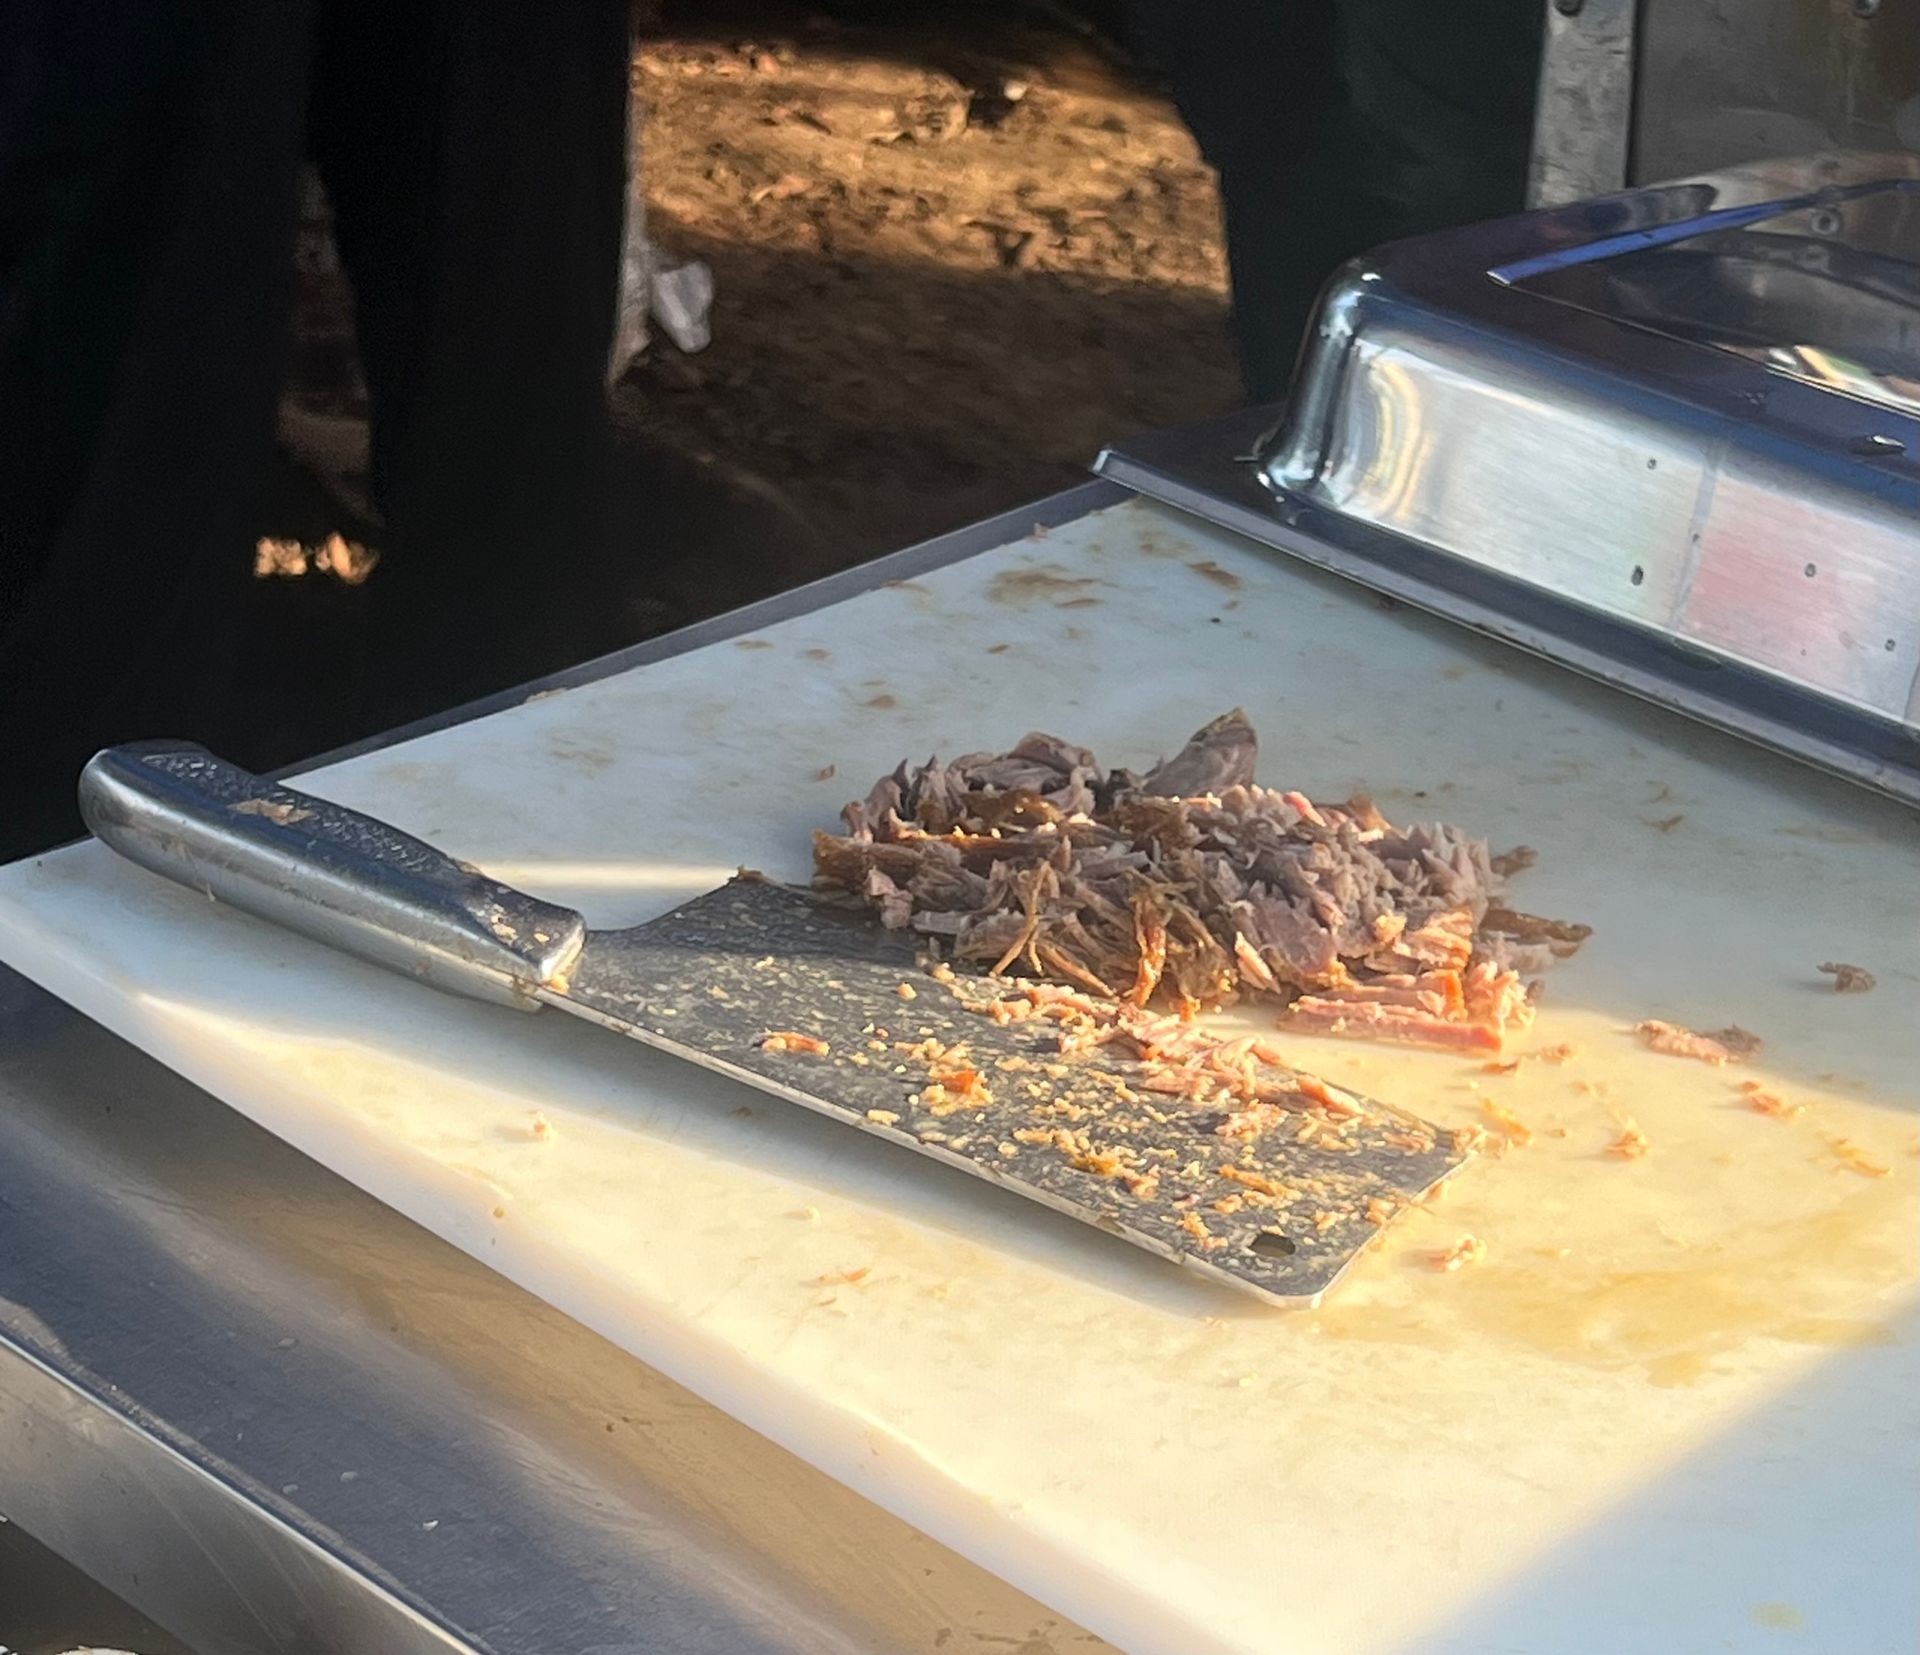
(1693, 408)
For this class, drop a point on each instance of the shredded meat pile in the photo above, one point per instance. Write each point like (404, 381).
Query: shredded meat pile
(1192, 886)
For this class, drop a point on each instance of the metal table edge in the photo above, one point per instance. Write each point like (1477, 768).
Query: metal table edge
(42, 1389)
(132, 1471)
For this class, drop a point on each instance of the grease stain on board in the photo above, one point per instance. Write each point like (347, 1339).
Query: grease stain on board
(1046, 582)
(1207, 569)
(589, 756)
(1799, 1280)
(1778, 1617)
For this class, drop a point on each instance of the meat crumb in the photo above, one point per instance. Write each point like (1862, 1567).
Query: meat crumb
(540, 1127)
(276, 811)
(1673, 1040)
(1763, 1102)
(1256, 1181)
(1848, 979)
(1508, 1124)
(1467, 1250)
(786, 1040)
(1510, 862)
(1562, 1053)
(1855, 1159)
(1631, 1144)
(826, 772)
(1740, 1043)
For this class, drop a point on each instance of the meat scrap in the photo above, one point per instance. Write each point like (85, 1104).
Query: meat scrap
(1763, 1102)
(1739, 1043)
(1855, 1159)
(1510, 862)
(1848, 979)
(1720, 1046)
(1192, 886)
(1631, 1144)
(786, 1040)
(1468, 1249)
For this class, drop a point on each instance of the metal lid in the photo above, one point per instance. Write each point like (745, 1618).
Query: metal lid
(1693, 409)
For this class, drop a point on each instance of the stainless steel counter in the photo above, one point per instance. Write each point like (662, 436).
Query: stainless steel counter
(274, 1416)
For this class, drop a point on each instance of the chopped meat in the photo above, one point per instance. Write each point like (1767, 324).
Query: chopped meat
(1193, 886)
(1218, 757)
(1196, 1226)
(1256, 1181)
(1674, 1041)
(1525, 943)
(1855, 1159)
(1848, 979)
(1320, 1014)
(1509, 1125)
(1471, 1011)
(1632, 1142)
(1763, 1102)
(1510, 862)
(277, 811)
(1739, 1044)
(895, 905)
(785, 1040)
(1467, 1250)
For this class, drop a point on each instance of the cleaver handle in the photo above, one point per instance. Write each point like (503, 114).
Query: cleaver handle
(327, 872)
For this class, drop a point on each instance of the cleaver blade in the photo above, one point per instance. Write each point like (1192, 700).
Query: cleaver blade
(804, 998)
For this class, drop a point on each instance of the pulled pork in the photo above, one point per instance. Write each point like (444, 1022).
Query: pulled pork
(1192, 886)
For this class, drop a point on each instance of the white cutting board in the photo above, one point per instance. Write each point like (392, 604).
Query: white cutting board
(1674, 1410)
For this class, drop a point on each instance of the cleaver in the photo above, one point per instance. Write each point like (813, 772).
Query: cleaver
(805, 998)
